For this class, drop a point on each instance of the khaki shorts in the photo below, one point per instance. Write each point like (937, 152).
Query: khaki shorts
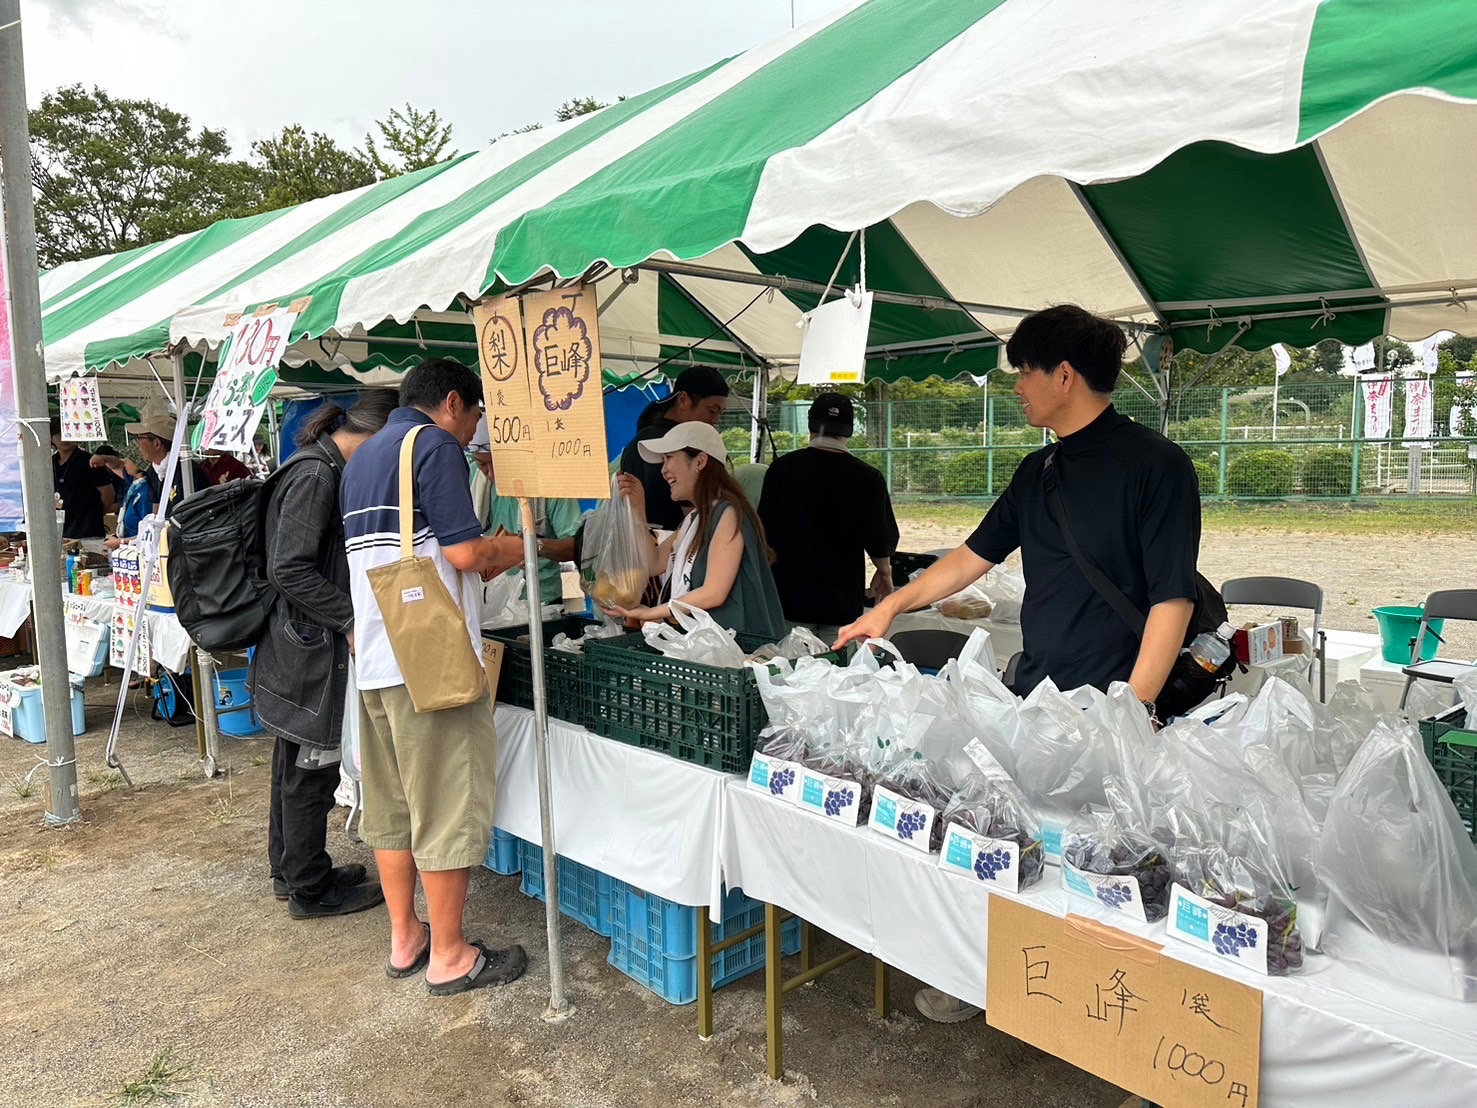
(430, 778)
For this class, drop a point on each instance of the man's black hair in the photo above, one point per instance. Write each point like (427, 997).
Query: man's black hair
(56, 425)
(1067, 333)
(430, 383)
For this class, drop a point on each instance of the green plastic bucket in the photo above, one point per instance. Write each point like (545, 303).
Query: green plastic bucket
(1398, 627)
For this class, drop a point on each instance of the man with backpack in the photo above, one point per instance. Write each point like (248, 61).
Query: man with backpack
(1107, 520)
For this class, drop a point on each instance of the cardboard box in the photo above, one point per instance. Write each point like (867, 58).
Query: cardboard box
(1257, 645)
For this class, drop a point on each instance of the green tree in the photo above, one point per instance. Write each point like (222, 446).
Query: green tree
(298, 167)
(412, 139)
(111, 174)
(1460, 347)
(578, 105)
(1392, 353)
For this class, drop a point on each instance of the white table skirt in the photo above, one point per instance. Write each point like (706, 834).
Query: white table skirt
(642, 817)
(1332, 1035)
(168, 643)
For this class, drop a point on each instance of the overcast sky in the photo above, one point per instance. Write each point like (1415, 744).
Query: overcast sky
(337, 65)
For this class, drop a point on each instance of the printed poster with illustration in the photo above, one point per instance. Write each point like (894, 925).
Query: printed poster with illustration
(541, 385)
(81, 410)
(246, 372)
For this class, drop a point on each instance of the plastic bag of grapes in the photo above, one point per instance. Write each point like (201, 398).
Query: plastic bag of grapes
(1105, 858)
(992, 808)
(909, 801)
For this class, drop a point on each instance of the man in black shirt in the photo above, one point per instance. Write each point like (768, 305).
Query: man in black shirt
(86, 492)
(699, 393)
(822, 510)
(1133, 504)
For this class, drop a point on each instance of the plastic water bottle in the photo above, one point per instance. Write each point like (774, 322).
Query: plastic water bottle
(1211, 649)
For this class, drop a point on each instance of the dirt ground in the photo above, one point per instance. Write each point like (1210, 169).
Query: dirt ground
(150, 927)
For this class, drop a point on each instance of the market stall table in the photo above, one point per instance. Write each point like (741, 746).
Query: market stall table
(169, 644)
(1331, 1035)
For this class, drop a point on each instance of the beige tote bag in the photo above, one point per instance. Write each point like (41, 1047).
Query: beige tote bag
(440, 670)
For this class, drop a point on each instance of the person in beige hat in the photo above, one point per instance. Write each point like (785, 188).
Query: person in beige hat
(153, 435)
(718, 559)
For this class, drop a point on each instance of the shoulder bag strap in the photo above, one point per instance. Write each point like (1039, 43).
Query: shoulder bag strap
(407, 492)
(1095, 577)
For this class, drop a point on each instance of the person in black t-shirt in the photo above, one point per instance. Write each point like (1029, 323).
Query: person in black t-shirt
(1133, 505)
(822, 510)
(86, 492)
(700, 393)
(153, 434)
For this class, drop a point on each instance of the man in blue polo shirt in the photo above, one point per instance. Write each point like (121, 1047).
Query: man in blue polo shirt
(429, 777)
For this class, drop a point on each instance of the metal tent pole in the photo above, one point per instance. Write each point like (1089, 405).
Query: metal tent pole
(559, 1008)
(23, 294)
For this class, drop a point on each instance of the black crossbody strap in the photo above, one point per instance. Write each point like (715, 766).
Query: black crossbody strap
(1095, 577)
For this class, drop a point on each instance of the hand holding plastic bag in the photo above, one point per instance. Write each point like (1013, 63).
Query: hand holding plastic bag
(614, 567)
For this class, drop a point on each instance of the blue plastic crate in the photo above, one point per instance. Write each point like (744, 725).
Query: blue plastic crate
(584, 893)
(654, 941)
(29, 722)
(503, 853)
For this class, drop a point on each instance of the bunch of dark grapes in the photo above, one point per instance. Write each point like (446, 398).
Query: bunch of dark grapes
(781, 780)
(1145, 864)
(988, 863)
(837, 799)
(909, 824)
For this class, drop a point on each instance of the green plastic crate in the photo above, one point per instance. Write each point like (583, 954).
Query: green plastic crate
(564, 676)
(1453, 753)
(701, 714)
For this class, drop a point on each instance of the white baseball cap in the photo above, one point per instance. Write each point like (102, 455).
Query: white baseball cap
(694, 434)
(481, 439)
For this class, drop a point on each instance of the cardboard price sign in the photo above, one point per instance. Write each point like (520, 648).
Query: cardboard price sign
(245, 376)
(1111, 1004)
(541, 384)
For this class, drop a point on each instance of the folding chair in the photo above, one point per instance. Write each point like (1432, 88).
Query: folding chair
(1286, 592)
(1445, 604)
(929, 650)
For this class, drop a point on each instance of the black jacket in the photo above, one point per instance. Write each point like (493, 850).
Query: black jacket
(300, 673)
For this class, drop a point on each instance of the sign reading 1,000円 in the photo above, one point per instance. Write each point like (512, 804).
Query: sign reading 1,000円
(541, 385)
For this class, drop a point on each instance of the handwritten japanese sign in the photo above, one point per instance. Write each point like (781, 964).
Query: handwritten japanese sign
(1110, 1004)
(541, 384)
(81, 410)
(245, 376)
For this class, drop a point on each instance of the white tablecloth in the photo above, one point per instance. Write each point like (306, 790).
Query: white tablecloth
(1331, 1035)
(642, 817)
(168, 642)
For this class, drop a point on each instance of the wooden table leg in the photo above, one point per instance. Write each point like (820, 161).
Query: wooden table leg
(806, 939)
(773, 991)
(882, 988)
(704, 975)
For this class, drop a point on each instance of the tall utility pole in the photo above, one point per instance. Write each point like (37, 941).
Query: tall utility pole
(44, 544)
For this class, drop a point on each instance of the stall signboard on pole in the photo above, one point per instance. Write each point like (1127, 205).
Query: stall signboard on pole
(12, 501)
(81, 410)
(541, 385)
(245, 375)
(1115, 1005)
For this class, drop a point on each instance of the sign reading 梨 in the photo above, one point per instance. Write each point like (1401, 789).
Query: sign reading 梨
(541, 385)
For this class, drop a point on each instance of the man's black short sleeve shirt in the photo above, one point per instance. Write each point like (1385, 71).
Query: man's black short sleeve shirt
(1134, 505)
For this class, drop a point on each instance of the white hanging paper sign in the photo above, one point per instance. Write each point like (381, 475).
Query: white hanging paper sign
(1431, 355)
(1362, 357)
(834, 349)
(1378, 397)
(1418, 408)
(245, 376)
(1282, 358)
(81, 410)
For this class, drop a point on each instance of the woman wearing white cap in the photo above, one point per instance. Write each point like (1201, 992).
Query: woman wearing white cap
(718, 559)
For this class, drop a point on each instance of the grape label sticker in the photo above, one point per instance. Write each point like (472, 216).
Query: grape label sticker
(775, 776)
(1051, 841)
(244, 377)
(993, 861)
(902, 819)
(1224, 932)
(541, 386)
(832, 797)
(1116, 892)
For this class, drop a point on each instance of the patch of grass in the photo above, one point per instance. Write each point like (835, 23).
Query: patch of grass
(104, 781)
(223, 812)
(158, 1083)
(20, 784)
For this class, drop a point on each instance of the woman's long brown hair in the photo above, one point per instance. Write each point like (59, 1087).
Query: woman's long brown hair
(715, 483)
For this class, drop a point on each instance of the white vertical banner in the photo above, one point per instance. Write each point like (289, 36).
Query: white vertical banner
(1282, 357)
(1430, 354)
(1418, 407)
(1378, 398)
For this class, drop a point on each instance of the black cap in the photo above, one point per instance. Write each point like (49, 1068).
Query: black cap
(832, 407)
(700, 382)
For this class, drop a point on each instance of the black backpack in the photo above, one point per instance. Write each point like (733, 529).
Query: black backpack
(217, 565)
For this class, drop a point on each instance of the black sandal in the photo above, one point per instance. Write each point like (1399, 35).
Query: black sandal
(415, 967)
(493, 967)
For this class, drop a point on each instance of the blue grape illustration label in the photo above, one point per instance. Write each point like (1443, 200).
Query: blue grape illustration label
(1120, 893)
(995, 862)
(1225, 932)
(905, 820)
(835, 798)
(776, 777)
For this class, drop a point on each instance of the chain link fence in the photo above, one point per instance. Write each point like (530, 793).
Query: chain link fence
(1248, 444)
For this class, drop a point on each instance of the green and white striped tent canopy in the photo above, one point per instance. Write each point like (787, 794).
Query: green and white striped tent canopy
(1259, 170)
